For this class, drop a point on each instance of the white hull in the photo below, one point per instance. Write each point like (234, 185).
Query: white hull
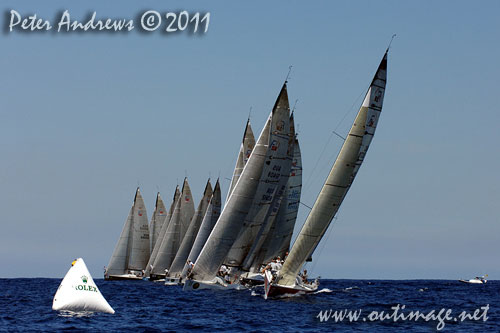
(273, 289)
(173, 281)
(473, 281)
(216, 284)
(124, 277)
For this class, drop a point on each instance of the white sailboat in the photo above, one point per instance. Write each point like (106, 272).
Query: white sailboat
(163, 230)
(232, 219)
(131, 253)
(157, 220)
(334, 190)
(177, 227)
(175, 270)
(78, 292)
(211, 216)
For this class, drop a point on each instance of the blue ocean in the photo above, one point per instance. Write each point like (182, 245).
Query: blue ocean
(142, 306)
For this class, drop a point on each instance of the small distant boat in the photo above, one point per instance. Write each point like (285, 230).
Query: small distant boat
(78, 292)
(476, 280)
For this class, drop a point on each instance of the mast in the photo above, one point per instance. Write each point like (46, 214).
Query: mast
(340, 179)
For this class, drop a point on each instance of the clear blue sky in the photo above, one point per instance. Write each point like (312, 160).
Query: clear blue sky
(87, 117)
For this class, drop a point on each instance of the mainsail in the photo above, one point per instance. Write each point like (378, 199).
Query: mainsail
(270, 220)
(183, 213)
(186, 244)
(132, 250)
(271, 183)
(163, 230)
(246, 148)
(340, 179)
(232, 217)
(211, 216)
(157, 220)
(278, 239)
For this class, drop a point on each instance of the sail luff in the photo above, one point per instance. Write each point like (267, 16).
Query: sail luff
(157, 220)
(340, 178)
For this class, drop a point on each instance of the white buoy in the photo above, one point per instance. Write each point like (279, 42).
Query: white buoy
(78, 292)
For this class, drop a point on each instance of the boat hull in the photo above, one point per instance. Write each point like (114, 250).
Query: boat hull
(214, 285)
(173, 281)
(275, 290)
(473, 281)
(122, 277)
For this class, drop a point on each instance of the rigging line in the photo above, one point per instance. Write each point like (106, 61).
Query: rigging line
(249, 113)
(324, 243)
(392, 38)
(288, 75)
(310, 208)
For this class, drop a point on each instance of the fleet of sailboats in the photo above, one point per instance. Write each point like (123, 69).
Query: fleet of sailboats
(217, 248)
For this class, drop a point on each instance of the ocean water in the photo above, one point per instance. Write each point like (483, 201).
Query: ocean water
(142, 306)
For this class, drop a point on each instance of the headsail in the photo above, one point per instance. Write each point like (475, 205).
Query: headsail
(232, 217)
(340, 178)
(246, 148)
(187, 242)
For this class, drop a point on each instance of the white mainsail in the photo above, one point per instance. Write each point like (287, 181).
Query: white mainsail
(270, 220)
(211, 216)
(78, 292)
(232, 217)
(132, 250)
(157, 220)
(181, 256)
(339, 180)
(280, 235)
(183, 213)
(163, 230)
(271, 182)
(246, 148)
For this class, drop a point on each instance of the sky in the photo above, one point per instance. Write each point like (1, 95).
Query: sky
(87, 117)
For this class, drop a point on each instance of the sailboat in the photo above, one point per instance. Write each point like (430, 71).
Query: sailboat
(211, 216)
(332, 194)
(175, 270)
(157, 220)
(131, 253)
(277, 243)
(177, 228)
(270, 144)
(163, 230)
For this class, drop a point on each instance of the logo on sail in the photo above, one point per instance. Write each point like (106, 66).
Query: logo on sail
(84, 279)
(274, 145)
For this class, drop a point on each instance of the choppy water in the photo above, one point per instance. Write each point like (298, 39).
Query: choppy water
(145, 306)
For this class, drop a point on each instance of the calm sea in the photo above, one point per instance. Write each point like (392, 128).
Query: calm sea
(144, 306)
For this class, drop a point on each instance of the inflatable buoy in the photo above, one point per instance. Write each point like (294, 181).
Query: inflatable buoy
(78, 292)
